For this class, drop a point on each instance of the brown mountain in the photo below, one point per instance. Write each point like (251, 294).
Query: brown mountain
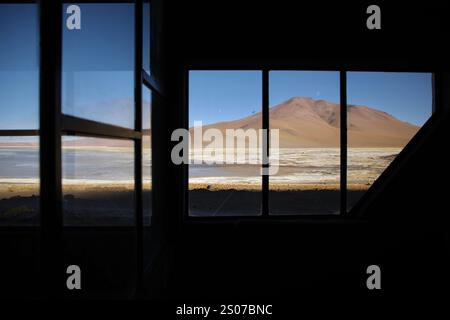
(305, 122)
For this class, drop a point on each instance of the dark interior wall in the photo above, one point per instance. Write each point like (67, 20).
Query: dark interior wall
(19, 267)
(403, 228)
(315, 34)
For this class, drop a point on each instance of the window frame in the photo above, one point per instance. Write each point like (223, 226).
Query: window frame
(345, 214)
(53, 125)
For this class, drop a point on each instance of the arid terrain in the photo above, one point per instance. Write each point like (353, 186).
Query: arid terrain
(98, 173)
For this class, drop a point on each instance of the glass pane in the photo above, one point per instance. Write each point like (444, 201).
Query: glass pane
(98, 181)
(225, 180)
(19, 110)
(19, 180)
(304, 107)
(19, 72)
(98, 64)
(385, 110)
(146, 36)
(147, 153)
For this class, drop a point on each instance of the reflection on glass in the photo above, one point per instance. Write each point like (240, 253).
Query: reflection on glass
(98, 64)
(304, 107)
(19, 180)
(146, 154)
(385, 110)
(98, 181)
(220, 185)
(19, 76)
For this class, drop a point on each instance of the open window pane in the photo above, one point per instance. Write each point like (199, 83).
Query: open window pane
(225, 180)
(385, 110)
(98, 181)
(98, 64)
(19, 110)
(304, 107)
(146, 154)
(19, 180)
(19, 71)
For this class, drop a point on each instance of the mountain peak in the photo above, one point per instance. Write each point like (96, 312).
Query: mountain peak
(299, 100)
(308, 108)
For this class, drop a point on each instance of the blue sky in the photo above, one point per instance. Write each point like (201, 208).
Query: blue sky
(226, 95)
(407, 96)
(19, 92)
(98, 63)
(223, 95)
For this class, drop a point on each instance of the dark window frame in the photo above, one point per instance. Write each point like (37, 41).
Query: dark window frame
(345, 214)
(53, 125)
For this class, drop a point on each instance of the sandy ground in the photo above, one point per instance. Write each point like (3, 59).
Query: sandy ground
(113, 204)
(99, 204)
(274, 186)
(27, 190)
(14, 190)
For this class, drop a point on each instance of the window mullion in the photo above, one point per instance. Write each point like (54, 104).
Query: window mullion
(138, 142)
(343, 143)
(50, 146)
(265, 148)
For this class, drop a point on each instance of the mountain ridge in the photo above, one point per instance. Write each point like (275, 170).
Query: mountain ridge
(306, 122)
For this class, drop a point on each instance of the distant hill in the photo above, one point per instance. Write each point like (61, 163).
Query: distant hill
(306, 122)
